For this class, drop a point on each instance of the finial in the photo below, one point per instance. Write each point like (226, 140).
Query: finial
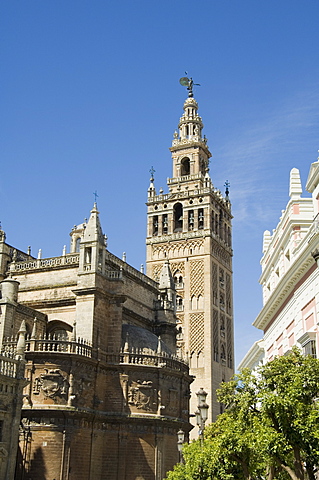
(152, 171)
(317, 159)
(29, 250)
(227, 185)
(142, 268)
(95, 196)
(188, 82)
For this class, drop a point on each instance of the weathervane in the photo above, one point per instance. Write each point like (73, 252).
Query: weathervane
(227, 185)
(188, 82)
(95, 195)
(152, 171)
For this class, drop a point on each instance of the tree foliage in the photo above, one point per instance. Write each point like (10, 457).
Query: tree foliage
(269, 429)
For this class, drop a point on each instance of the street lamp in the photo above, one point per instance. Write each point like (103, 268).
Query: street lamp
(201, 412)
(180, 441)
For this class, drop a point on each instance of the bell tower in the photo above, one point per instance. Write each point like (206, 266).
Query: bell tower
(191, 227)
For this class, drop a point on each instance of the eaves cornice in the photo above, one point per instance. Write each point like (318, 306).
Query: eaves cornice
(287, 285)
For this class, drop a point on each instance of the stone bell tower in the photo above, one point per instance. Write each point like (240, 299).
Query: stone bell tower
(191, 227)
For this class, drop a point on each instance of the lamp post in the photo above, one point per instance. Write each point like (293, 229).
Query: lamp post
(201, 413)
(180, 441)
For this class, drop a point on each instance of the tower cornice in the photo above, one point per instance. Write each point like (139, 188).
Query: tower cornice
(183, 144)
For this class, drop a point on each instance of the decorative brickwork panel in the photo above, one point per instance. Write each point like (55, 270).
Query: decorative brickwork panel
(215, 336)
(229, 338)
(228, 294)
(214, 283)
(156, 271)
(196, 332)
(197, 277)
(221, 254)
(177, 266)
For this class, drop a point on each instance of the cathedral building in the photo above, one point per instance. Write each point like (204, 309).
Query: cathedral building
(105, 392)
(113, 356)
(191, 226)
(290, 277)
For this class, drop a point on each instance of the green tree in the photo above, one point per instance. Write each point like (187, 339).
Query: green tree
(269, 430)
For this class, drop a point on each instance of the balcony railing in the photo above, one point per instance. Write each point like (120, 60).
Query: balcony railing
(51, 344)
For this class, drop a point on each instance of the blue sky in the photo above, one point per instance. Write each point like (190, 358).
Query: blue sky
(90, 99)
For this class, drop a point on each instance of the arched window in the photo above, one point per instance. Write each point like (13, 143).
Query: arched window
(165, 223)
(222, 354)
(178, 279)
(77, 244)
(185, 166)
(190, 219)
(155, 225)
(200, 302)
(194, 302)
(59, 329)
(179, 303)
(201, 218)
(178, 217)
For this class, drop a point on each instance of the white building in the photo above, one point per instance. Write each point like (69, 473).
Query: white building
(290, 277)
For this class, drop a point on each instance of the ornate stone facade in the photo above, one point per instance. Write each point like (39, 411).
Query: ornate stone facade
(191, 226)
(106, 392)
(290, 277)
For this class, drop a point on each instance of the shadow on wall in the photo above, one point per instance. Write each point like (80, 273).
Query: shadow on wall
(37, 466)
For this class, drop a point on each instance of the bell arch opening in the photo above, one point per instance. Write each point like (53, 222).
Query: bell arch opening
(185, 167)
(178, 217)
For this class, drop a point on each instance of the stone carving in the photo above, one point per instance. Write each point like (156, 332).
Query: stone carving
(3, 452)
(51, 383)
(221, 253)
(142, 395)
(196, 332)
(197, 277)
(157, 271)
(178, 266)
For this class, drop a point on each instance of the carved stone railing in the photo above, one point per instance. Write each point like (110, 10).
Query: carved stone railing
(54, 262)
(114, 274)
(11, 367)
(185, 178)
(52, 344)
(154, 360)
(126, 268)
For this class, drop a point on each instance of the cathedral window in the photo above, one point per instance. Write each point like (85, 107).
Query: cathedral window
(87, 257)
(215, 354)
(221, 278)
(229, 361)
(60, 334)
(222, 326)
(165, 223)
(222, 301)
(202, 166)
(191, 220)
(185, 166)
(229, 237)
(223, 354)
(155, 225)
(178, 217)
(77, 244)
(201, 218)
